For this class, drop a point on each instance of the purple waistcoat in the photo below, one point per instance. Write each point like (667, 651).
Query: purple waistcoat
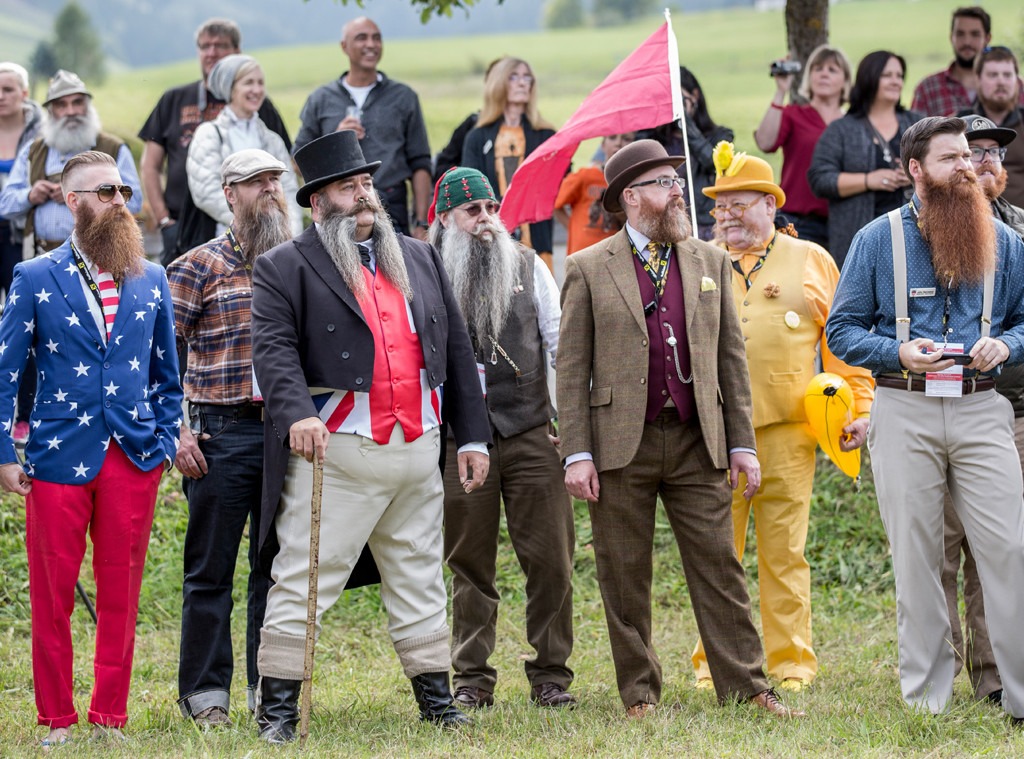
(662, 377)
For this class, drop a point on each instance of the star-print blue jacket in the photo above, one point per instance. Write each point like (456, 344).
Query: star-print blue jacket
(89, 392)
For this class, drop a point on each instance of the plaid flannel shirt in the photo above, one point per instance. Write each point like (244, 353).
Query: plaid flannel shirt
(942, 95)
(212, 291)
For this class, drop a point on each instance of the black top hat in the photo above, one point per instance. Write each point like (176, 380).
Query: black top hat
(329, 158)
(980, 128)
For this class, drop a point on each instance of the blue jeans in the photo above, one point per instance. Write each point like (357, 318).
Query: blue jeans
(219, 505)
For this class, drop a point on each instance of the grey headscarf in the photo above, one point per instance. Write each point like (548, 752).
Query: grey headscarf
(222, 75)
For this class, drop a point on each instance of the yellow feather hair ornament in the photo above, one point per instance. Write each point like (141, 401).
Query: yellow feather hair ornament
(727, 162)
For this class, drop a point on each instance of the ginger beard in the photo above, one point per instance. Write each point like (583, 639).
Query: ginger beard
(956, 222)
(262, 225)
(338, 235)
(994, 188)
(668, 224)
(112, 240)
(484, 271)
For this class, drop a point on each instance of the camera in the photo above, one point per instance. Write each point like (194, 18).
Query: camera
(785, 68)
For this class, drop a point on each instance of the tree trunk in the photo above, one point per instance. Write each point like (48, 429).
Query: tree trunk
(806, 28)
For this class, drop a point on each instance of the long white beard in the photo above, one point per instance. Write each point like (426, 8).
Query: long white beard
(337, 232)
(484, 276)
(72, 134)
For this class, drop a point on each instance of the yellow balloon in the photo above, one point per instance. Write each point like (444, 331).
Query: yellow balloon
(829, 405)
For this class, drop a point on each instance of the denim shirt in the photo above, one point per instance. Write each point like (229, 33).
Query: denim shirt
(861, 329)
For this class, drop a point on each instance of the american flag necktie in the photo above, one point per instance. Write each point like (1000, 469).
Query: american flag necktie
(108, 297)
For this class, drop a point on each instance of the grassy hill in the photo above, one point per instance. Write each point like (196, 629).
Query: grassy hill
(728, 50)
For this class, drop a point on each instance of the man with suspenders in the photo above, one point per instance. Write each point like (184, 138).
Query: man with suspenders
(936, 278)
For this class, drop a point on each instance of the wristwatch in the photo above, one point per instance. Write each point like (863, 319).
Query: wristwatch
(165, 222)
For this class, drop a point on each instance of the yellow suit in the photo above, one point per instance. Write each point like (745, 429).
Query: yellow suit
(782, 317)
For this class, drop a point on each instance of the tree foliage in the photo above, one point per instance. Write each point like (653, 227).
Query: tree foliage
(43, 63)
(428, 8)
(612, 12)
(564, 14)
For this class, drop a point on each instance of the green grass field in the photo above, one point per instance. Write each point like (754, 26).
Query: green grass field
(362, 704)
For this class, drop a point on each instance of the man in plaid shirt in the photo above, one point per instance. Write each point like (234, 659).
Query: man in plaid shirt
(221, 453)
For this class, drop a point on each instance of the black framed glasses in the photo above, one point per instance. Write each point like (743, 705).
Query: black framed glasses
(736, 210)
(106, 192)
(475, 209)
(996, 154)
(664, 182)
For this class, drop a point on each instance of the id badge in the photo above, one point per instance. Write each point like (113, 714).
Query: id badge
(949, 383)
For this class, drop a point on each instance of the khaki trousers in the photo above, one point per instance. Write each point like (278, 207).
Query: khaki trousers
(526, 475)
(390, 496)
(781, 509)
(673, 462)
(921, 446)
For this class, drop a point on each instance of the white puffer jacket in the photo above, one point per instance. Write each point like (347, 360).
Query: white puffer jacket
(210, 145)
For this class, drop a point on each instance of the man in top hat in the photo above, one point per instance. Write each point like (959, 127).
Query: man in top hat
(355, 328)
(987, 143)
(510, 302)
(221, 452)
(99, 319)
(654, 400)
(34, 185)
(782, 288)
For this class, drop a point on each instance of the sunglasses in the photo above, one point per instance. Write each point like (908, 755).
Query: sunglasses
(475, 209)
(106, 192)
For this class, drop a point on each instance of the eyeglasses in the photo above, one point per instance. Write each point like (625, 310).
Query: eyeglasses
(736, 210)
(524, 78)
(996, 154)
(475, 209)
(106, 192)
(208, 46)
(665, 182)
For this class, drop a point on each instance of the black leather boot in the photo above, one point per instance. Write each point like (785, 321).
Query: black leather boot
(434, 697)
(277, 709)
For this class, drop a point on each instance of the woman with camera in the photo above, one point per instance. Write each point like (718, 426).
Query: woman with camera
(856, 164)
(796, 127)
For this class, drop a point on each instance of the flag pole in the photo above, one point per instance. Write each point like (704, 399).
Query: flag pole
(679, 108)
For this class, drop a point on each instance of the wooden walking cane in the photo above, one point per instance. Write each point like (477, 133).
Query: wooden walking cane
(314, 577)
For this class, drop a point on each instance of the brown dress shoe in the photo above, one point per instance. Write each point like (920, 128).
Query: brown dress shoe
(552, 694)
(768, 701)
(640, 710)
(471, 697)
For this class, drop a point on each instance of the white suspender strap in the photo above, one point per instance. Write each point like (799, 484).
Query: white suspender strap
(986, 303)
(899, 276)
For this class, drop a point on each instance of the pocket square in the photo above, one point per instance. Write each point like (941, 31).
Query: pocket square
(707, 284)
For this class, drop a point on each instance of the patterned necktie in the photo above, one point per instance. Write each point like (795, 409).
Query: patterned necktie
(654, 259)
(364, 255)
(108, 297)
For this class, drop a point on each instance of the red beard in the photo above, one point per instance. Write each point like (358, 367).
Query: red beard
(111, 240)
(956, 222)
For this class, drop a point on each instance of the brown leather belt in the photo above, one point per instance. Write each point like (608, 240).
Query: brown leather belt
(973, 385)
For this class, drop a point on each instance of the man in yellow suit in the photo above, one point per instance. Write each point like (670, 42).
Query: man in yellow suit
(783, 289)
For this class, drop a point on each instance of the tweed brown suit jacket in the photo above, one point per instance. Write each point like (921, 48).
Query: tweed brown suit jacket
(603, 353)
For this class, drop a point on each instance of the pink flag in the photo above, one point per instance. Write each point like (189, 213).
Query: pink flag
(641, 93)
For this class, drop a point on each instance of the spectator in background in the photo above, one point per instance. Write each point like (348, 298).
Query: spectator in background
(856, 164)
(509, 128)
(999, 89)
(20, 119)
(33, 187)
(386, 117)
(702, 134)
(238, 80)
(578, 205)
(951, 90)
(451, 153)
(168, 132)
(796, 127)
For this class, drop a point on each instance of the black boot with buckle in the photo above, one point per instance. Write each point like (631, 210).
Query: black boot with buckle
(434, 697)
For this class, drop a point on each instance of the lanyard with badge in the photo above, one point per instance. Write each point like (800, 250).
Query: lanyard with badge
(83, 268)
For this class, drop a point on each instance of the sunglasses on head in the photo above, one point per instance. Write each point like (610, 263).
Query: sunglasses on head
(106, 192)
(475, 209)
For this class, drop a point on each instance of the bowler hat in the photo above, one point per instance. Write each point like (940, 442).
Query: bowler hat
(980, 128)
(65, 83)
(245, 164)
(329, 158)
(629, 163)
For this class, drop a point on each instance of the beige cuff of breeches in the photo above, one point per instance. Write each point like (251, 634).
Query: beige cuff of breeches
(427, 653)
(281, 656)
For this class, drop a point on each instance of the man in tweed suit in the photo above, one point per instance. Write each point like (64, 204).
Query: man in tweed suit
(654, 400)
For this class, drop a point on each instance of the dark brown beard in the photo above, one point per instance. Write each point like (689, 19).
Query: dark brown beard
(668, 226)
(956, 222)
(112, 240)
(262, 225)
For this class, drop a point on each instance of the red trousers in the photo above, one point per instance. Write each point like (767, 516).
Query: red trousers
(116, 508)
